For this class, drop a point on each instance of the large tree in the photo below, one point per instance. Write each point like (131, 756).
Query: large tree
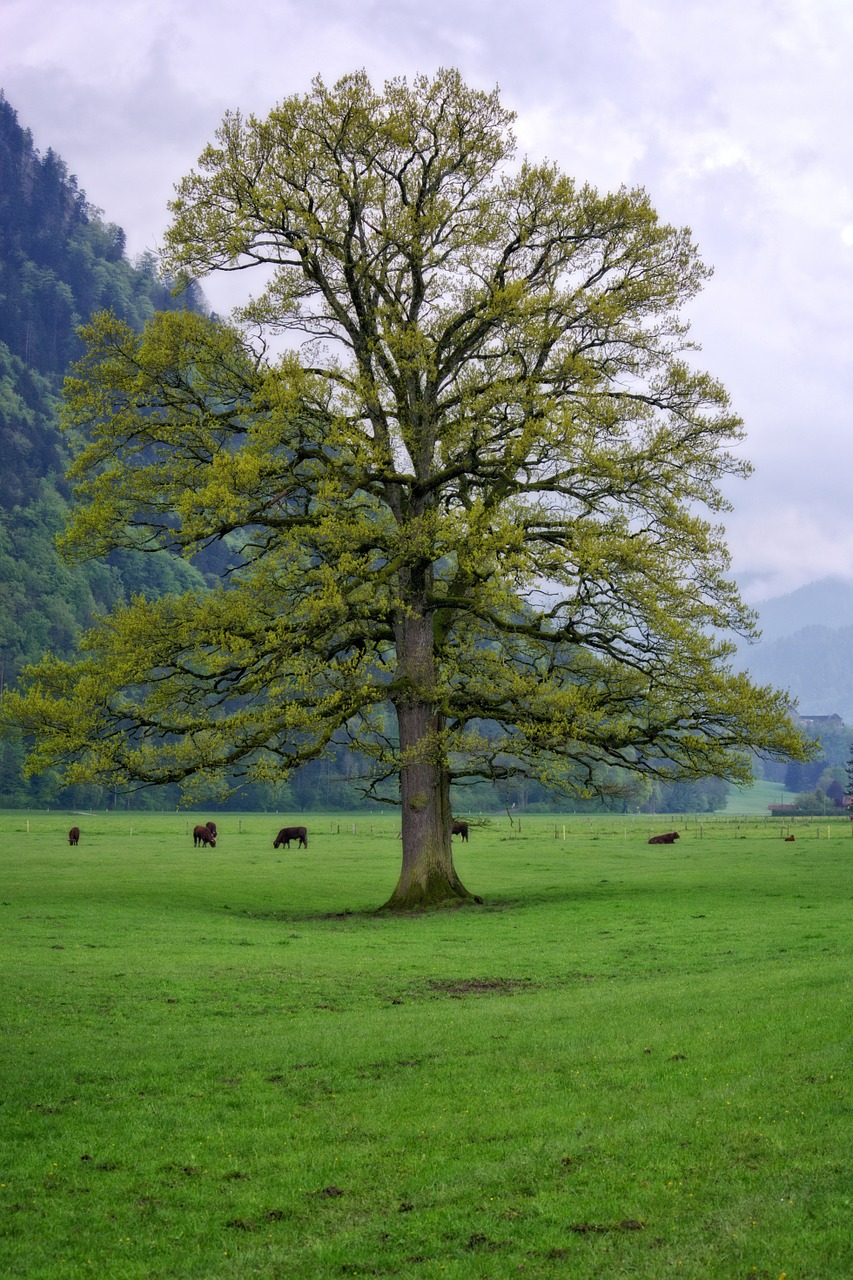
(464, 502)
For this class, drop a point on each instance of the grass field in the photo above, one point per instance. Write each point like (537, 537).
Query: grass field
(630, 1061)
(756, 799)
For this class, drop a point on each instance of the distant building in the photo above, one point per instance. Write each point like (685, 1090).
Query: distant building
(823, 722)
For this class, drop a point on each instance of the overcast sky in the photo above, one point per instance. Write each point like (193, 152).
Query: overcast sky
(735, 115)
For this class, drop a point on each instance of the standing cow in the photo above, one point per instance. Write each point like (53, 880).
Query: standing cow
(211, 826)
(292, 833)
(74, 835)
(460, 829)
(202, 836)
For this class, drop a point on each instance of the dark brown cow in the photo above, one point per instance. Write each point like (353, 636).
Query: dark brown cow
(74, 835)
(669, 837)
(202, 836)
(460, 829)
(292, 833)
(211, 826)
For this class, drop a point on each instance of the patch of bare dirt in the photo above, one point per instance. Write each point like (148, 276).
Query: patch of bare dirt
(598, 1228)
(458, 987)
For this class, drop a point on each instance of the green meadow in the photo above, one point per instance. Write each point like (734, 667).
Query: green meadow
(631, 1060)
(756, 799)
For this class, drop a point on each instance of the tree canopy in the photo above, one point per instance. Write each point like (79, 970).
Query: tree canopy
(472, 503)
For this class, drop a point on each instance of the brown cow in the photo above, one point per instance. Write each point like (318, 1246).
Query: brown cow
(74, 835)
(202, 836)
(292, 833)
(669, 837)
(460, 829)
(211, 826)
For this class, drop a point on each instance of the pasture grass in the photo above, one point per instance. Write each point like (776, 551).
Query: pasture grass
(756, 798)
(631, 1060)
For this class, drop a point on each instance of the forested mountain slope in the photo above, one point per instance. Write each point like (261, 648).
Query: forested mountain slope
(59, 263)
(806, 647)
(814, 663)
(825, 603)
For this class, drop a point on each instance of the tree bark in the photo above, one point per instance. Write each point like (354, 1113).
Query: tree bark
(428, 876)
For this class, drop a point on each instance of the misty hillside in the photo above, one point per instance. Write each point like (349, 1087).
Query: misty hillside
(815, 665)
(807, 647)
(827, 603)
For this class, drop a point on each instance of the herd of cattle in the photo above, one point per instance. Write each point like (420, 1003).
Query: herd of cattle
(206, 835)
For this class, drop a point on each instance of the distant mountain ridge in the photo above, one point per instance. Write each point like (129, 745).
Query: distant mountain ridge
(807, 647)
(825, 603)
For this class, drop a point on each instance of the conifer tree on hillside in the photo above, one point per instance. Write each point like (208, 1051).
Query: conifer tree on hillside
(61, 263)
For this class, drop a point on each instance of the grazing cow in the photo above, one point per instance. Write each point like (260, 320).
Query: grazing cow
(203, 836)
(669, 837)
(292, 833)
(460, 829)
(211, 826)
(74, 835)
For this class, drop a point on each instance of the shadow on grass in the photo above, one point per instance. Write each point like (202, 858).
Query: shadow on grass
(566, 895)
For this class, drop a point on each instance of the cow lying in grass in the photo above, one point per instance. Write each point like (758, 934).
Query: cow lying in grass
(460, 829)
(292, 833)
(669, 837)
(74, 835)
(203, 836)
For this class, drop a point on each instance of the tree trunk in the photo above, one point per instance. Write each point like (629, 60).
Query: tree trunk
(427, 876)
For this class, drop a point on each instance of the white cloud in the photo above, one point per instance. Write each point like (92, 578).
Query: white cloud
(783, 547)
(734, 115)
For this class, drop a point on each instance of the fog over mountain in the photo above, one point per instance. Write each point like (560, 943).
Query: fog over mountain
(826, 603)
(807, 647)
